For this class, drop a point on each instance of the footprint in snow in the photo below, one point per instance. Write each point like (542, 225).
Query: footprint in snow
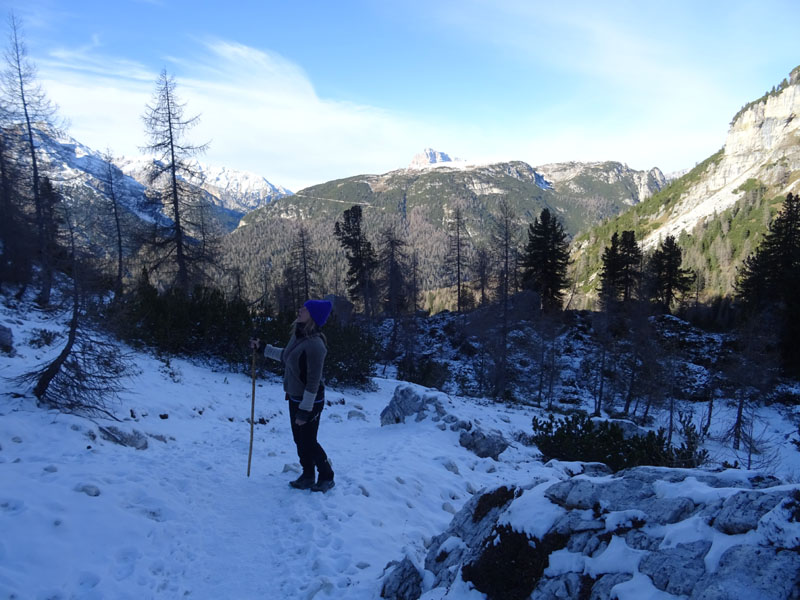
(12, 506)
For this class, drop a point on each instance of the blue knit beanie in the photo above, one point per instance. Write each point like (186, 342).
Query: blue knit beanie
(319, 310)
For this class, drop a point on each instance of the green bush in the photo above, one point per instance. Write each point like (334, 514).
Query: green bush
(579, 438)
(203, 322)
(423, 370)
(351, 354)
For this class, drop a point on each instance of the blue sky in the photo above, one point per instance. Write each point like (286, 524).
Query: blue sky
(302, 92)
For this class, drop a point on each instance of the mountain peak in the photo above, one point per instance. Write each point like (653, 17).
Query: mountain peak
(429, 157)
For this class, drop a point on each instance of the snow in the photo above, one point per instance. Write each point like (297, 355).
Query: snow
(82, 517)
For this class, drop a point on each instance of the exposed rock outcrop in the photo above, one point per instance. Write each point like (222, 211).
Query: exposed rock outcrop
(692, 534)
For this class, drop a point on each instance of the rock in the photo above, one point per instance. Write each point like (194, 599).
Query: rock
(403, 583)
(88, 489)
(6, 340)
(406, 402)
(356, 414)
(601, 589)
(752, 572)
(461, 425)
(482, 444)
(741, 512)
(781, 527)
(638, 508)
(564, 586)
(134, 439)
(462, 540)
(676, 570)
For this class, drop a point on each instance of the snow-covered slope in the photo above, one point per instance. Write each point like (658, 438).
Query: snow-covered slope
(174, 515)
(237, 191)
(83, 174)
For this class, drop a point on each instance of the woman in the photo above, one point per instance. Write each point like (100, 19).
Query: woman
(303, 359)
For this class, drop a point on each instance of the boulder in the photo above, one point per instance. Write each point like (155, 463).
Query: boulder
(484, 445)
(403, 583)
(676, 570)
(407, 402)
(741, 512)
(752, 572)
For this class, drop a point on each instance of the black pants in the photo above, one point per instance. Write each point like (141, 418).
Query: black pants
(309, 450)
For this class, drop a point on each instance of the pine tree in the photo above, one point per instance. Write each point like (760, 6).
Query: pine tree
(360, 258)
(619, 278)
(771, 275)
(667, 280)
(482, 271)
(631, 259)
(392, 262)
(770, 279)
(611, 274)
(304, 261)
(545, 260)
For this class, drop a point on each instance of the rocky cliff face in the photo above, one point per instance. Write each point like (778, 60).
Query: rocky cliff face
(763, 143)
(629, 186)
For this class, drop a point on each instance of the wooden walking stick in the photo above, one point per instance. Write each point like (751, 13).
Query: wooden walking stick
(252, 411)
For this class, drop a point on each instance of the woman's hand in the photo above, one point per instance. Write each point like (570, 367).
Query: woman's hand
(302, 417)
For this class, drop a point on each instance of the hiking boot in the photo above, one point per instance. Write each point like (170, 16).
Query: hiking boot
(323, 485)
(325, 481)
(304, 482)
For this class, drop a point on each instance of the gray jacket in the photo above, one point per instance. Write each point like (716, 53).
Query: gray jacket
(303, 359)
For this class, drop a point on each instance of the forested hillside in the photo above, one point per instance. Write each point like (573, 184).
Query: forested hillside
(419, 206)
(720, 210)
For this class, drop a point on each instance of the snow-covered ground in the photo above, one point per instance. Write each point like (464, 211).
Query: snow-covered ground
(83, 517)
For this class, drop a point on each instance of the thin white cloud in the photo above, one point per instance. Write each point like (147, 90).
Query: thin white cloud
(259, 111)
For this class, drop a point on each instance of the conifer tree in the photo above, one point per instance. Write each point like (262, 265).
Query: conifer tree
(15, 237)
(184, 239)
(545, 260)
(631, 262)
(505, 243)
(667, 280)
(620, 275)
(110, 179)
(458, 240)
(360, 258)
(392, 282)
(771, 275)
(26, 104)
(770, 278)
(304, 260)
(482, 271)
(611, 274)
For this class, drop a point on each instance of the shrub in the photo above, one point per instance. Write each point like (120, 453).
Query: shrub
(351, 354)
(579, 438)
(423, 370)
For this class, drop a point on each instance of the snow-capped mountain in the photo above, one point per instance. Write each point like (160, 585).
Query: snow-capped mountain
(85, 172)
(231, 189)
(433, 158)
